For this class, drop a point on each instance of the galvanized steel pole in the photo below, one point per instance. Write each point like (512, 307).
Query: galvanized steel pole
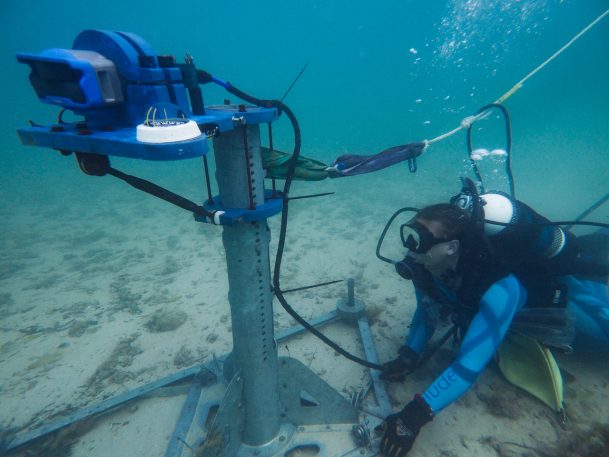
(240, 178)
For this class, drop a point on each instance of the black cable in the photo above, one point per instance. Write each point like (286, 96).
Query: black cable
(429, 353)
(592, 208)
(543, 224)
(311, 196)
(60, 116)
(321, 284)
(295, 81)
(284, 221)
(210, 199)
(271, 148)
(246, 148)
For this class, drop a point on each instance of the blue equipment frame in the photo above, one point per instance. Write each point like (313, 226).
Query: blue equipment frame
(109, 127)
(113, 79)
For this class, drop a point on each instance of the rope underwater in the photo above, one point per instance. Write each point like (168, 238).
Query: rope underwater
(468, 121)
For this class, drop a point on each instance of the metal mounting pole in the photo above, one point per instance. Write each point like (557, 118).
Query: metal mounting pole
(271, 406)
(248, 267)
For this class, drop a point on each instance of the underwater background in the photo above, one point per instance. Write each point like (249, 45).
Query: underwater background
(380, 74)
(368, 67)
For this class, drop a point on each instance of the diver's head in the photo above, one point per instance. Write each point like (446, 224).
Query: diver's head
(433, 238)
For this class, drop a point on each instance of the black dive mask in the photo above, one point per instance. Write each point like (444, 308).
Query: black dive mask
(417, 238)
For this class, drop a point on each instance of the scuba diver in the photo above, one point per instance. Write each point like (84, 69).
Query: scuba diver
(487, 263)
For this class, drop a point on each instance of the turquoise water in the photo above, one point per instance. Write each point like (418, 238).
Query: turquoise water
(368, 67)
(379, 75)
(359, 92)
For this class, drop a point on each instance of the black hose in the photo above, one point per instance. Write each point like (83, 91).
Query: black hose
(508, 146)
(430, 352)
(543, 224)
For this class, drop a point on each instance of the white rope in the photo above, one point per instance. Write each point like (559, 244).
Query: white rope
(557, 53)
(466, 122)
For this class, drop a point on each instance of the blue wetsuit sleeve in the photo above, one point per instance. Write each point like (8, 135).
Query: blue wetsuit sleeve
(420, 328)
(484, 335)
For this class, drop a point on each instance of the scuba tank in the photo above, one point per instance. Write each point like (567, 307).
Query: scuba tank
(515, 230)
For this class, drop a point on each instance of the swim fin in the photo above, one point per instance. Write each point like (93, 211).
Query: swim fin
(532, 367)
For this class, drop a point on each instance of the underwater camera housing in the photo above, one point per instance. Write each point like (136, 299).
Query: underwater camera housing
(74, 79)
(113, 80)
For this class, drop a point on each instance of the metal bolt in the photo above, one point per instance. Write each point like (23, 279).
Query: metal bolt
(361, 436)
(350, 292)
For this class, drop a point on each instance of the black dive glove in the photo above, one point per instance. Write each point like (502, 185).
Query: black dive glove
(404, 364)
(401, 429)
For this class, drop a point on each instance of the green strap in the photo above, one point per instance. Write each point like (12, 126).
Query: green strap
(276, 164)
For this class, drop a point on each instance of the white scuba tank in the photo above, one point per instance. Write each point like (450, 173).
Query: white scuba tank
(526, 229)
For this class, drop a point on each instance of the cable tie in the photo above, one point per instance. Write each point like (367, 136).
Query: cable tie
(216, 217)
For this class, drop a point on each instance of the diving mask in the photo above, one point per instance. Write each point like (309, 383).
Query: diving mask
(417, 238)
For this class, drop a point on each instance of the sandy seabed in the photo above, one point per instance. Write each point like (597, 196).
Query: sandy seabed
(99, 298)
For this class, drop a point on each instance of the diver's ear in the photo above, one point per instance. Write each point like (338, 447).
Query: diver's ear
(452, 247)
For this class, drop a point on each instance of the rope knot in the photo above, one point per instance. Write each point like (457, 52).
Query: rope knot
(466, 122)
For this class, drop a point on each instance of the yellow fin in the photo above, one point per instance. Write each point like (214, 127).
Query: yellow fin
(532, 367)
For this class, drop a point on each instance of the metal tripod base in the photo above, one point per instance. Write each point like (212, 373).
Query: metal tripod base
(310, 426)
(314, 417)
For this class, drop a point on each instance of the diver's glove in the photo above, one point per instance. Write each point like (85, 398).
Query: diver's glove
(404, 364)
(401, 429)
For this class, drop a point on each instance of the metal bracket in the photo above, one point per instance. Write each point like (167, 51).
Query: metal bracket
(231, 216)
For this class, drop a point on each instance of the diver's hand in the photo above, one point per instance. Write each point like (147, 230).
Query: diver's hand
(397, 369)
(401, 429)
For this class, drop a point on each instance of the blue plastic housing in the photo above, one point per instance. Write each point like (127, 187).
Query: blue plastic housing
(270, 207)
(73, 79)
(112, 79)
